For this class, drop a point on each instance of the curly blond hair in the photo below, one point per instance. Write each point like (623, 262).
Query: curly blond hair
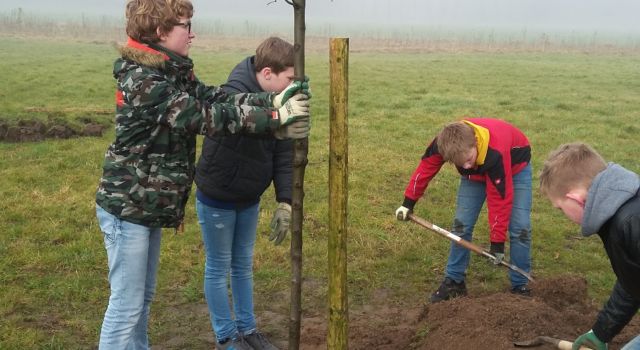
(144, 17)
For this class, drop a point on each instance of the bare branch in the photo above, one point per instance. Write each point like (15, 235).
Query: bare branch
(290, 2)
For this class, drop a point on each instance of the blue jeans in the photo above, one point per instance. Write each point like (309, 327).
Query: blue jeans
(471, 197)
(634, 344)
(132, 253)
(229, 236)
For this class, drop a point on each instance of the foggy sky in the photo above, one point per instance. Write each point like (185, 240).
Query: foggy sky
(572, 15)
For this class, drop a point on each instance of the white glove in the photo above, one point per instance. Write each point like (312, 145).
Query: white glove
(299, 129)
(280, 99)
(295, 108)
(280, 223)
(402, 213)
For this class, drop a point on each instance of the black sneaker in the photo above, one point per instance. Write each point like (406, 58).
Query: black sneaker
(258, 341)
(447, 290)
(521, 290)
(233, 344)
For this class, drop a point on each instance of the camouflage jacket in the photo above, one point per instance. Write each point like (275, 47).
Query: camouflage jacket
(160, 107)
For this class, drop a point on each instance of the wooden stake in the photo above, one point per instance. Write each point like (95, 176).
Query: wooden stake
(337, 336)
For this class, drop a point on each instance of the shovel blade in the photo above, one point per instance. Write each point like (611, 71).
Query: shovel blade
(537, 341)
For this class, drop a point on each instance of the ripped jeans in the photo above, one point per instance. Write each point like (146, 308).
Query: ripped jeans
(229, 236)
(471, 197)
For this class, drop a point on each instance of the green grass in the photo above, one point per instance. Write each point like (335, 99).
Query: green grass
(52, 260)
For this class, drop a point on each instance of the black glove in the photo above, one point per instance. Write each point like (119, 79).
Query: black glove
(497, 250)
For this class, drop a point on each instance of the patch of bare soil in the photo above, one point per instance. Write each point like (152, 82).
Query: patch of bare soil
(36, 130)
(560, 308)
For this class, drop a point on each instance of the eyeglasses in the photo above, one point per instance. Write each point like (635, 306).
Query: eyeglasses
(187, 25)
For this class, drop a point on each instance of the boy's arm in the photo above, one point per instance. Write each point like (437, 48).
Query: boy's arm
(283, 170)
(617, 312)
(428, 168)
(499, 188)
(208, 115)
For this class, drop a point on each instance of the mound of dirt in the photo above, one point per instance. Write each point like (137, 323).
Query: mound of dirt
(559, 308)
(35, 130)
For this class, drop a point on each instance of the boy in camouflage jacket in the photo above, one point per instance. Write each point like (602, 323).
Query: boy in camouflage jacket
(148, 170)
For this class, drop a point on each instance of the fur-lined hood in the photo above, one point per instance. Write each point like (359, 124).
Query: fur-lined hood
(142, 54)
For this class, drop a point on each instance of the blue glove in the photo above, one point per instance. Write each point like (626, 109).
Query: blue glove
(590, 340)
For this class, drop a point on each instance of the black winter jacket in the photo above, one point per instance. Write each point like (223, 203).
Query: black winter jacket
(613, 211)
(238, 169)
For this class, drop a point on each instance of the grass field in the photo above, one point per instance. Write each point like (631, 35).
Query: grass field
(53, 270)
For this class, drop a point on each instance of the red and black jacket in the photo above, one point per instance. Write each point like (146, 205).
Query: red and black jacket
(505, 151)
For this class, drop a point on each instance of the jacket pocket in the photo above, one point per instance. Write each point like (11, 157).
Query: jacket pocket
(166, 189)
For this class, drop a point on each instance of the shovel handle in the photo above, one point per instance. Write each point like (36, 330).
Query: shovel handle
(567, 345)
(541, 340)
(424, 223)
(468, 245)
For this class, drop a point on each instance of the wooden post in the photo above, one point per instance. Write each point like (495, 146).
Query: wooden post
(300, 150)
(337, 335)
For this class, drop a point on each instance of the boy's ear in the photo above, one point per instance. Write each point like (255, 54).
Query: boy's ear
(160, 34)
(266, 73)
(579, 196)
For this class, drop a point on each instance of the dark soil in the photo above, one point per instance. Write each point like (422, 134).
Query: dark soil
(559, 308)
(36, 130)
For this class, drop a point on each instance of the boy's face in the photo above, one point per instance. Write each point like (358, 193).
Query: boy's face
(272, 82)
(468, 159)
(179, 38)
(572, 205)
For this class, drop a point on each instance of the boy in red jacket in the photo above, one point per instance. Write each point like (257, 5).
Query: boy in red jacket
(493, 158)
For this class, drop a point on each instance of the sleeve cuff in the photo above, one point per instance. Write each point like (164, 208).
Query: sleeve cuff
(497, 247)
(408, 203)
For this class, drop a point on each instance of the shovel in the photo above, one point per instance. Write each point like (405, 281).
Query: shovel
(472, 247)
(541, 340)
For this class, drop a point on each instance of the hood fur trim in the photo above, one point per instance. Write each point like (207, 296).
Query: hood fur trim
(142, 54)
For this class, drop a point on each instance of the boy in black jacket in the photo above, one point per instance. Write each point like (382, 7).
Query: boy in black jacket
(602, 198)
(231, 175)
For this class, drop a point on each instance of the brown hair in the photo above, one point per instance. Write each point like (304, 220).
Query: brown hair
(145, 16)
(570, 166)
(455, 140)
(274, 53)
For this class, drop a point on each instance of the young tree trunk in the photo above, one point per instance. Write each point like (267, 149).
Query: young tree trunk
(300, 150)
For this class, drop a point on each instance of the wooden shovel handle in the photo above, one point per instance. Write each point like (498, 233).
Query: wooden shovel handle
(567, 345)
(447, 234)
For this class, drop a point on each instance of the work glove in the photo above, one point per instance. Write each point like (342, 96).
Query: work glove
(296, 107)
(306, 88)
(590, 340)
(280, 223)
(294, 88)
(497, 250)
(299, 129)
(402, 213)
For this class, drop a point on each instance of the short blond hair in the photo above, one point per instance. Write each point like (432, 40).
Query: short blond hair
(455, 140)
(144, 17)
(570, 166)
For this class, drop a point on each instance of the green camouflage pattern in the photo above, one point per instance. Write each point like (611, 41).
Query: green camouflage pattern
(160, 107)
